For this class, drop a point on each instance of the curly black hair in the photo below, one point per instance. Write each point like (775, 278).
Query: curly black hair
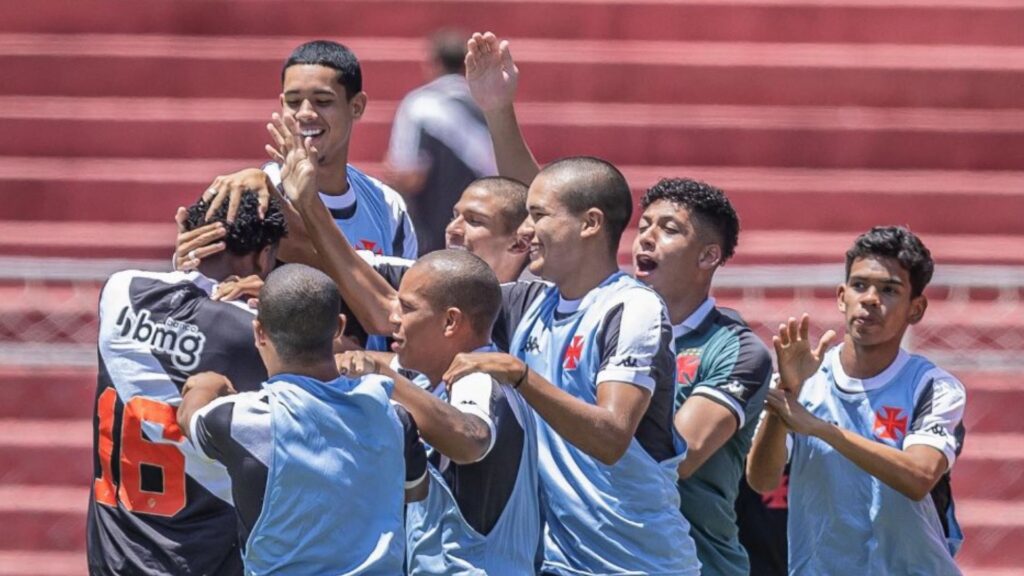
(248, 233)
(900, 244)
(707, 204)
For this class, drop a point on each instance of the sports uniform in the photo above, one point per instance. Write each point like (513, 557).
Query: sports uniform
(601, 519)
(869, 525)
(318, 470)
(372, 216)
(482, 517)
(156, 507)
(719, 358)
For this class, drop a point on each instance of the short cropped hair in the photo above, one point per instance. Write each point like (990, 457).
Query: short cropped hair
(595, 183)
(708, 205)
(332, 55)
(448, 47)
(899, 244)
(512, 194)
(299, 312)
(248, 233)
(462, 280)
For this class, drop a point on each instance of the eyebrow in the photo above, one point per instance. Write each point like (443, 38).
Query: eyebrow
(890, 280)
(318, 91)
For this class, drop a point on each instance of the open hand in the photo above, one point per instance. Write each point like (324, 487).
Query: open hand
(797, 361)
(502, 367)
(191, 246)
(233, 288)
(490, 72)
(357, 363)
(297, 156)
(794, 415)
(230, 188)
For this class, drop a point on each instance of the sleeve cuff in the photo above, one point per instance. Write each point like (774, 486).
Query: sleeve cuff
(937, 443)
(641, 379)
(726, 400)
(410, 484)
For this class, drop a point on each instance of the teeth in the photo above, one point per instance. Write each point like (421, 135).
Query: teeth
(312, 132)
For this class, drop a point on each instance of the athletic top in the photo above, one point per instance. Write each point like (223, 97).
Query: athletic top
(720, 359)
(156, 506)
(236, 430)
(482, 516)
(440, 132)
(601, 519)
(870, 525)
(372, 216)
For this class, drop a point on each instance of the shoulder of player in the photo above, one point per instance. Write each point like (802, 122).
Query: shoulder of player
(390, 195)
(937, 380)
(637, 300)
(475, 380)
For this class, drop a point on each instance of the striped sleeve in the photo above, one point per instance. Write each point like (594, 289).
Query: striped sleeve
(636, 342)
(938, 415)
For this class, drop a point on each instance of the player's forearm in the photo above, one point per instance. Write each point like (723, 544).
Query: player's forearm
(705, 426)
(596, 430)
(513, 156)
(767, 458)
(461, 437)
(366, 293)
(198, 391)
(905, 472)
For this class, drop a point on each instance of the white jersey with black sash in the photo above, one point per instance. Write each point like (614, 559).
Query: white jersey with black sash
(155, 506)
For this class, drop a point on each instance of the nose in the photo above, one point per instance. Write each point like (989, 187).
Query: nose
(454, 228)
(305, 111)
(870, 296)
(645, 238)
(394, 315)
(525, 229)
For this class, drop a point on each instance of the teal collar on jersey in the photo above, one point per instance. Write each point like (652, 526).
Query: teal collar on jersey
(693, 321)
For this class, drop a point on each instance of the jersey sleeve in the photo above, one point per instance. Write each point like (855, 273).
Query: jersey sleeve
(636, 342)
(415, 454)
(737, 377)
(938, 416)
(391, 268)
(403, 243)
(475, 395)
(404, 152)
(516, 298)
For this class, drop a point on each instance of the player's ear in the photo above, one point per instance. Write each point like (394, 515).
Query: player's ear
(358, 105)
(453, 319)
(917, 309)
(258, 333)
(841, 297)
(593, 221)
(710, 257)
(342, 320)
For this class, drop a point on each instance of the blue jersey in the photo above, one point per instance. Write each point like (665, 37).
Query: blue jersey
(623, 518)
(336, 480)
(371, 215)
(843, 520)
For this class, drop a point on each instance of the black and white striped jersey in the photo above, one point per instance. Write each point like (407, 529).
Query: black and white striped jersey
(156, 507)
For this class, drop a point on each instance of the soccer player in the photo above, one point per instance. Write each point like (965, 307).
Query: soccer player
(482, 515)
(156, 507)
(322, 89)
(322, 464)
(687, 230)
(871, 431)
(591, 353)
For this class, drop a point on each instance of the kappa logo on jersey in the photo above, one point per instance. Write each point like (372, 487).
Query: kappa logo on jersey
(628, 362)
(181, 341)
(531, 346)
(370, 246)
(573, 353)
(687, 364)
(889, 423)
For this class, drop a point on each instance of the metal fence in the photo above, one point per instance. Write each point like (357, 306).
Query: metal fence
(975, 319)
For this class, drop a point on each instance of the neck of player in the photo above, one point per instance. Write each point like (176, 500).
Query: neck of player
(332, 177)
(578, 282)
(684, 301)
(864, 361)
(323, 370)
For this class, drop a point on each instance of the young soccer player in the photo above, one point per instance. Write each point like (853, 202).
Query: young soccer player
(322, 463)
(871, 431)
(157, 506)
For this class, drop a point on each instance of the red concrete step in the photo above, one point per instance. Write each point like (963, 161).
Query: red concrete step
(45, 563)
(626, 134)
(908, 21)
(43, 518)
(993, 532)
(991, 465)
(930, 201)
(56, 393)
(29, 450)
(584, 70)
(996, 402)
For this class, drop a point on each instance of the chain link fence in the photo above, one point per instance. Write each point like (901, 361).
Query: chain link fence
(975, 319)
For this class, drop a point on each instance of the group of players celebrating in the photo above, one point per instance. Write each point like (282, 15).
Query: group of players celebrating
(541, 411)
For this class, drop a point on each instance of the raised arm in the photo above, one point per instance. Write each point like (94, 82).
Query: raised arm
(367, 294)
(493, 78)
(198, 391)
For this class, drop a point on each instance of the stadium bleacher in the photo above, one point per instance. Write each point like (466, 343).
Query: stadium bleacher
(818, 117)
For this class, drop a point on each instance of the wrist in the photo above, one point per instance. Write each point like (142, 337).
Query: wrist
(524, 376)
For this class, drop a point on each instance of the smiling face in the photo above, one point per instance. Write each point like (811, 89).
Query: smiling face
(478, 227)
(553, 230)
(418, 329)
(876, 301)
(668, 248)
(312, 94)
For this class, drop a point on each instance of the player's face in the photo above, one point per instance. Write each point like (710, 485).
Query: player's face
(667, 249)
(313, 96)
(553, 232)
(876, 302)
(416, 326)
(477, 227)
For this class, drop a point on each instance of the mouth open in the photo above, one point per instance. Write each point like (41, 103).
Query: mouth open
(645, 264)
(312, 132)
